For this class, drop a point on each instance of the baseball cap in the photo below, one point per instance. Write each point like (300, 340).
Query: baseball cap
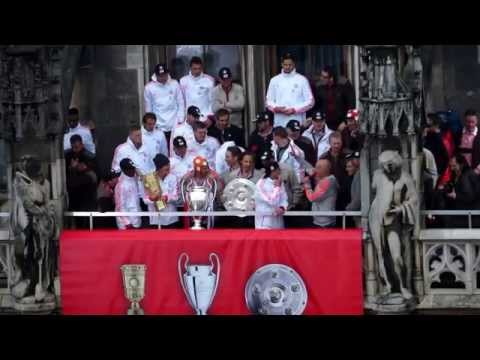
(127, 164)
(318, 115)
(352, 114)
(293, 125)
(263, 116)
(194, 111)
(266, 155)
(225, 73)
(160, 69)
(179, 141)
(353, 155)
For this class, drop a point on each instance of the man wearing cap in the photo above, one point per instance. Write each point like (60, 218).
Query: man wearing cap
(127, 196)
(185, 130)
(318, 133)
(224, 131)
(351, 134)
(105, 199)
(180, 163)
(169, 194)
(304, 143)
(229, 96)
(261, 138)
(75, 128)
(289, 94)
(197, 88)
(164, 98)
(156, 137)
(202, 144)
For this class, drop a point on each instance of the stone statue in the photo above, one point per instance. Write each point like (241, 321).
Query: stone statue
(392, 218)
(35, 229)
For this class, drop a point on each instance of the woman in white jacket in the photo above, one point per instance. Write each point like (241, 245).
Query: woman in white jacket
(270, 197)
(168, 184)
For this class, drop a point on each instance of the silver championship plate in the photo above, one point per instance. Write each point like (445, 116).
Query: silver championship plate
(276, 289)
(199, 282)
(134, 285)
(239, 195)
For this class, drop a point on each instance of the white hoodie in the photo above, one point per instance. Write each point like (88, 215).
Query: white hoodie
(127, 200)
(166, 102)
(292, 91)
(197, 91)
(289, 157)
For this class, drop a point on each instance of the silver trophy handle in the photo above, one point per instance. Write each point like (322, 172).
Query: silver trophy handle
(215, 256)
(180, 275)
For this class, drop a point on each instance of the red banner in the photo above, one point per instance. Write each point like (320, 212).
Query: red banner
(329, 261)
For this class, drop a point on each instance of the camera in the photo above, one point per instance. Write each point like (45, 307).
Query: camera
(448, 188)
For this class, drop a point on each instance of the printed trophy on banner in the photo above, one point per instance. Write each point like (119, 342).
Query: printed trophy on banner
(199, 282)
(276, 289)
(153, 189)
(134, 285)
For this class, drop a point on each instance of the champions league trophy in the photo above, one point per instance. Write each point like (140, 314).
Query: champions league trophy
(198, 199)
(276, 289)
(152, 186)
(199, 282)
(134, 286)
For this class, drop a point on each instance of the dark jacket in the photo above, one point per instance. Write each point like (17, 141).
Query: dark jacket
(232, 133)
(344, 100)
(467, 190)
(476, 152)
(352, 142)
(306, 145)
(257, 145)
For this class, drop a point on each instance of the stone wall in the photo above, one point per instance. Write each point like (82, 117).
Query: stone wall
(108, 90)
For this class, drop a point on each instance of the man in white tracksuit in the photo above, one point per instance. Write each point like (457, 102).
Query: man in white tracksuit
(180, 163)
(319, 134)
(157, 137)
(75, 128)
(169, 196)
(127, 196)
(270, 197)
(203, 145)
(140, 151)
(197, 88)
(285, 151)
(185, 130)
(164, 98)
(289, 95)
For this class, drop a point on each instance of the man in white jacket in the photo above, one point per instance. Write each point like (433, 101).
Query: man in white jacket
(169, 196)
(289, 95)
(164, 98)
(127, 196)
(140, 151)
(185, 130)
(286, 152)
(203, 145)
(75, 128)
(197, 88)
(157, 137)
(319, 134)
(180, 163)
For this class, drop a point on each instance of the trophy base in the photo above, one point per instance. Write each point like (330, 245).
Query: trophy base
(135, 312)
(197, 225)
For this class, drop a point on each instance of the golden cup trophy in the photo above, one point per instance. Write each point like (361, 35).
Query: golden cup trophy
(133, 276)
(152, 187)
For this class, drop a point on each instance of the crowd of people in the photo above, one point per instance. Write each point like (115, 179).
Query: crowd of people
(452, 166)
(303, 155)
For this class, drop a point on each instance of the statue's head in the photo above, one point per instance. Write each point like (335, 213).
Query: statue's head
(391, 163)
